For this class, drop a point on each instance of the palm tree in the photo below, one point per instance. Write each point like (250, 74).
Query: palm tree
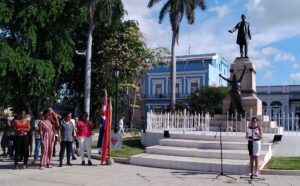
(106, 13)
(88, 64)
(176, 10)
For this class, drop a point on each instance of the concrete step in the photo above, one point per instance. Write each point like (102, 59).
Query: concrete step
(191, 163)
(241, 128)
(210, 136)
(275, 130)
(201, 153)
(267, 124)
(201, 144)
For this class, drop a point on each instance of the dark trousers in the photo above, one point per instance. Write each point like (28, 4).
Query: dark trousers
(21, 145)
(100, 137)
(65, 145)
(55, 141)
(244, 52)
(76, 143)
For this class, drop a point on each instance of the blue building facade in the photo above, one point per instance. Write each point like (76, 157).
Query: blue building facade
(193, 72)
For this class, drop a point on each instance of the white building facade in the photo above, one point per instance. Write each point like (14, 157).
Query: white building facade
(281, 100)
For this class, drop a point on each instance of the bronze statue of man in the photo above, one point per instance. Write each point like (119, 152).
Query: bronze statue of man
(243, 35)
(235, 94)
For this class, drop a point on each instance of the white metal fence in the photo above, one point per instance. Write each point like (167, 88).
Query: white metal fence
(177, 122)
(185, 122)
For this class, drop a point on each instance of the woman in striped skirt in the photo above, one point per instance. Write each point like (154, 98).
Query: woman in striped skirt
(47, 138)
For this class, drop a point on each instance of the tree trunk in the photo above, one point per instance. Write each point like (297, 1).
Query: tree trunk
(87, 80)
(173, 73)
(28, 108)
(133, 110)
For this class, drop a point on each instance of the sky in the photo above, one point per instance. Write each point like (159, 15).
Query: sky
(274, 25)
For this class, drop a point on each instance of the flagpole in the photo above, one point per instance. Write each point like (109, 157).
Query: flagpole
(110, 161)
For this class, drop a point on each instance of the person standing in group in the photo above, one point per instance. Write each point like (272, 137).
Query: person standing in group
(4, 139)
(47, 129)
(53, 118)
(21, 127)
(10, 139)
(84, 137)
(73, 150)
(30, 137)
(13, 138)
(121, 125)
(76, 137)
(37, 138)
(66, 137)
(254, 135)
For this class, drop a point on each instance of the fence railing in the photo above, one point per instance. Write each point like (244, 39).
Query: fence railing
(185, 122)
(177, 122)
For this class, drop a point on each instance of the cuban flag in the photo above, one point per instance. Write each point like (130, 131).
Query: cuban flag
(102, 122)
(106, 142)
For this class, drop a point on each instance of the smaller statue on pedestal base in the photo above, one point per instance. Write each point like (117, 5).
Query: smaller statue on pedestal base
(235, 95)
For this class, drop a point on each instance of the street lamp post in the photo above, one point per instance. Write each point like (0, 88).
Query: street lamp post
(117, 73)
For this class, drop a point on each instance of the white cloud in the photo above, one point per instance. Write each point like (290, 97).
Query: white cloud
(274, 20)
(220, 10)
(156, 35)
(268, 51)
(268, 75)
(206, 37)
(295, 76)
(261, 63)
(296, 66)
(210, 35)
(284, 57)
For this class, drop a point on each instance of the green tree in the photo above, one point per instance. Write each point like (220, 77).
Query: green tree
(208, 99)
(119, 45)
(176, 10)
(36, 46)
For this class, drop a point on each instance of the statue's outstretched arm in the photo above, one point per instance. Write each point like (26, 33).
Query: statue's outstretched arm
(228, 80)
(234, 29)
(242, 75)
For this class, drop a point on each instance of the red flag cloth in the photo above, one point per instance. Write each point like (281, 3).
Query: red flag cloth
(106, 143)
(102, 121)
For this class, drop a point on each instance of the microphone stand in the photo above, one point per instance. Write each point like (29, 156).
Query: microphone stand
(250, 178)
(221, 149)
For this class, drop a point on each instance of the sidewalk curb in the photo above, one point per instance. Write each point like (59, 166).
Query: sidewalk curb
(280, 172)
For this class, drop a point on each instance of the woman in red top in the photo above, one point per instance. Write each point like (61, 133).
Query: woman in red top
(84, 136)
(21, 127)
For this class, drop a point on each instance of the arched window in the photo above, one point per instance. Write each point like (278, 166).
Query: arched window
(264, 108)
(276, 109)
(276, 103)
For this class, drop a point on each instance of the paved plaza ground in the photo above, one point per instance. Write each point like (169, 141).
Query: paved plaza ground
(121, 175)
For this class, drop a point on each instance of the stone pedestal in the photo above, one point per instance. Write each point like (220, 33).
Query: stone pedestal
(251, 103)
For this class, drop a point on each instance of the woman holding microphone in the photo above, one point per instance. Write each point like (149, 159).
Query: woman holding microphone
(254, 135)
